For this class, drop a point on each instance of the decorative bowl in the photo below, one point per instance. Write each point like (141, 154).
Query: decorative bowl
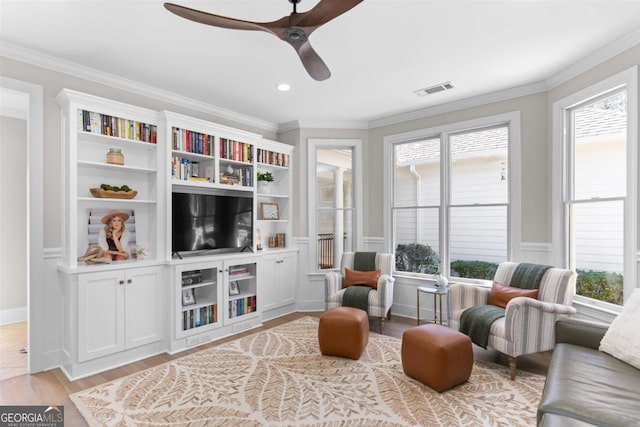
(110, 194)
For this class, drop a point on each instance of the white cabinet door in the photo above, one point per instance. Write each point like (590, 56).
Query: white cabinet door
(100, 314)
(118, 310)
(278, 280)
(268, 283)
(286, 275)
(143, 306)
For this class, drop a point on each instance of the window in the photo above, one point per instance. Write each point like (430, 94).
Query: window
(333, 200)
(450, 198)
(598, 170)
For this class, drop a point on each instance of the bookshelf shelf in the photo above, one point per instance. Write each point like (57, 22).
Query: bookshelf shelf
(117, 201)
(115, 168)
(198, 298)
(96, 138)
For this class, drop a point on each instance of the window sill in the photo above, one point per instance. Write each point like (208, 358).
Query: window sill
(594, 310)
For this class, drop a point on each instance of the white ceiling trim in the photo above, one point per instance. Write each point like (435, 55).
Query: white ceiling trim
(319, 124)
(39, 59)
(461, 104)
(596, 58)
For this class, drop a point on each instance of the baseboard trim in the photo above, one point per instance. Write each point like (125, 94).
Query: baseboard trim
(13, 315)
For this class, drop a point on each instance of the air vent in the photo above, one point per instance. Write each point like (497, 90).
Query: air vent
(433, 89)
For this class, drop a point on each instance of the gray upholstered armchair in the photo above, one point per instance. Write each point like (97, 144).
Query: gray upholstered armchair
(528, 325)
(379, 300)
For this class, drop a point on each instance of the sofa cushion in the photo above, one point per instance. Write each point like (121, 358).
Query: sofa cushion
(622, 339)
(553, 420)
(591, 386)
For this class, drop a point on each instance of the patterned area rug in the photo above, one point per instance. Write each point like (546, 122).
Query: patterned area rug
(279, 378)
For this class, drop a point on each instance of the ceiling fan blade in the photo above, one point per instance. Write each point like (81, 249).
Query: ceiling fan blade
(215, 20)
(323, 12)
(312, 62)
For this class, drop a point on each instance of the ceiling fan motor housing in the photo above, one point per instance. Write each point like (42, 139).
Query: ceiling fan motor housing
(295, 35)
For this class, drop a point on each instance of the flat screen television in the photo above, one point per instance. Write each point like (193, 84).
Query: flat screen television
(211, 223)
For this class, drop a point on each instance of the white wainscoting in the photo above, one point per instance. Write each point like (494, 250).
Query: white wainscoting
(539, 253)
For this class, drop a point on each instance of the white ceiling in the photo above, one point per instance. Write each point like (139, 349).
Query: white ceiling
(379, 52)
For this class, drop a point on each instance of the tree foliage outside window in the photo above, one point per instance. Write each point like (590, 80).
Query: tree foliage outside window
(601, 285)
(474, 269)
(416, 258)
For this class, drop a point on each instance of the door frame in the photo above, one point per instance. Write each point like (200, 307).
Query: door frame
(36, 286)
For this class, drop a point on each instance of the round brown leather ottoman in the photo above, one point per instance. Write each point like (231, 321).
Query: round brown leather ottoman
(437, 356)
(343, 332)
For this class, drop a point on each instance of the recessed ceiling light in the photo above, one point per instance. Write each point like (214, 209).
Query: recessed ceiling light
(283, 87)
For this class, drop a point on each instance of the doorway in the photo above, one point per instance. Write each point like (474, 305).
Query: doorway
(21, 204)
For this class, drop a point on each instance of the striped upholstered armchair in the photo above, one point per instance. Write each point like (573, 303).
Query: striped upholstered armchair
(380, 299)
(528, 325)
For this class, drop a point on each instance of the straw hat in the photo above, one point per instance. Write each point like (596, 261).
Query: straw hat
(107, 218)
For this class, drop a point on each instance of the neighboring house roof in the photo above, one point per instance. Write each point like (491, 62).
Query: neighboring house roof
(463, 145)
(605, 117)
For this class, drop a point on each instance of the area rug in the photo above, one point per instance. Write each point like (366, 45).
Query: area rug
(278, 377)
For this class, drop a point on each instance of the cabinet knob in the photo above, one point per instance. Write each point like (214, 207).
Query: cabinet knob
(121, 282)
(129, 281)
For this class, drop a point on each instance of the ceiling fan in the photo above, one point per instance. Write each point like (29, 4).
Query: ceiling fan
(295, 29)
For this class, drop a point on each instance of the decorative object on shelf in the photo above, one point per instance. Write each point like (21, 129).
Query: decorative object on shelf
(115, 156)
(100, 229)
(110, 194)
(95, 255)
(269, 211)
(107, 191)
(264, 182)
(277, 241)
(188, 297)
(258, 239)
(234, 289)
(141, 252)
(229, 170)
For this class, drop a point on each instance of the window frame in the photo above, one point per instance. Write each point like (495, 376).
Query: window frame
(560, 186)
(512, 121)
(313, 145)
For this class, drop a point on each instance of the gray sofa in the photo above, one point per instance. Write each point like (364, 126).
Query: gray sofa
(585, 386)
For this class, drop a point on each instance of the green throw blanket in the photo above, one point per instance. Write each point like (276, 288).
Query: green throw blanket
(528, 276)
(364, 261)
(476, 321)
(358, 296)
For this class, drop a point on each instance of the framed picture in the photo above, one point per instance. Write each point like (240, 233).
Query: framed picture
(101, 220)
(188, 297)
(269, 210)
(327, 193)
(234, 289)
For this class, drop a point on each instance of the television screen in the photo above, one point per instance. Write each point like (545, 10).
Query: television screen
(207, 222)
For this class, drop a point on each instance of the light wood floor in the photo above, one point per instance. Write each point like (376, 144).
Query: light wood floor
(53, 387)
(13, 338)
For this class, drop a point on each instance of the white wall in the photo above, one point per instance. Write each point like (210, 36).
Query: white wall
(13, 220)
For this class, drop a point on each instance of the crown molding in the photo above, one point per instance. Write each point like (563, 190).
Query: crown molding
(475, 101)
(598, 57)
(319, 124)
(49, 62)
